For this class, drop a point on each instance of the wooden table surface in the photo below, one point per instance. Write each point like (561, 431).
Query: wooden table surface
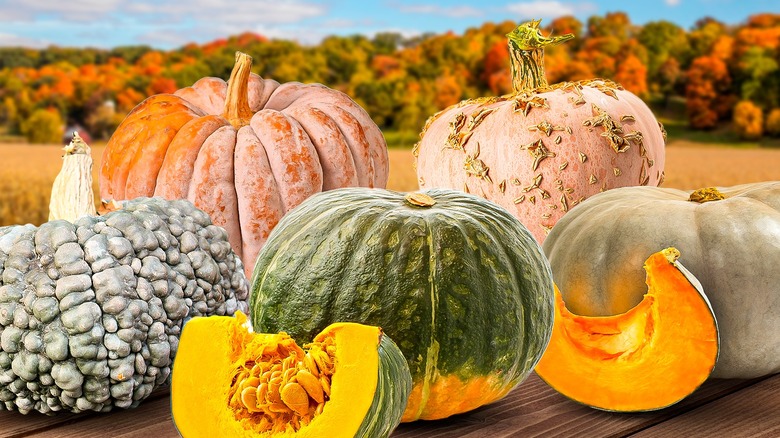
(720, 408)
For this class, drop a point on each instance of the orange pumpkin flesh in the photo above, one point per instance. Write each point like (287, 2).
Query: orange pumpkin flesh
(650, 357)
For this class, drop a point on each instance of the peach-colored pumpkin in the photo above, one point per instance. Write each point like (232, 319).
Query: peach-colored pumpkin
(543, 149)
(244, 151)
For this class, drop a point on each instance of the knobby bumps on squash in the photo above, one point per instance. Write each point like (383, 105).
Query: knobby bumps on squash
(91, 310)
(541, 150)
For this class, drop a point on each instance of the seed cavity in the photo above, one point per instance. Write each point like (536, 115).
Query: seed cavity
(283, 387)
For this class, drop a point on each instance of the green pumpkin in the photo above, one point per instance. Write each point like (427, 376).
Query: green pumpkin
(458, 282)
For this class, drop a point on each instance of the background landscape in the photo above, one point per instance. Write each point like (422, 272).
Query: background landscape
(714, 85)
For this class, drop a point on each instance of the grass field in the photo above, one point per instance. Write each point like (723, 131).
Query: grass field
(28, 171)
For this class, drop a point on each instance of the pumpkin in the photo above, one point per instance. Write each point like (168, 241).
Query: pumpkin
(650, 357)
(245, 152)
(454, 279)
(731, 240)
(543, 149)
(350, 380)
(91, 307)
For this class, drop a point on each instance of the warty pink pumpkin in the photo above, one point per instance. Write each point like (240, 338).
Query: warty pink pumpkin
(542, 149)
(244, 151)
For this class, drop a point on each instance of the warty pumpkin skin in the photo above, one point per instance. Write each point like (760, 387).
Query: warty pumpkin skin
(351, 380)
(454, 279)
(91, 308)
(732, 245)
(543, 149)
(648, 358)
(245, 151)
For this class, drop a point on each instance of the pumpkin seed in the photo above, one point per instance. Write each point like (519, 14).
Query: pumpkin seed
(325, 385)
(295, 397)
(311, 385)
(311, 365)
(249, 399)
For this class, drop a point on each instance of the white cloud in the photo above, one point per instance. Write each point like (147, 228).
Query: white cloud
(548, 9)
(239, 13)
(206, 13)
(452, 12)
(79, 11)
(9, 40)
(672, 2)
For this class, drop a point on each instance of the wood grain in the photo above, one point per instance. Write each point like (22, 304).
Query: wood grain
(535, 409)
(752, 412)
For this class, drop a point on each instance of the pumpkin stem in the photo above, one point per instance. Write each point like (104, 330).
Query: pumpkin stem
(237, 110)
(419, 199)
(671, 254)
(706, 195)
(526, 51)
(71, 195)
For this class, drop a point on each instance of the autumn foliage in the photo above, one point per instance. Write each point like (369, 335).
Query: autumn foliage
(748, 120)
(402, 81)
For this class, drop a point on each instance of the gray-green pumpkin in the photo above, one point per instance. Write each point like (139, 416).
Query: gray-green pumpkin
(458, 282)
(731, 240)
(91, 309)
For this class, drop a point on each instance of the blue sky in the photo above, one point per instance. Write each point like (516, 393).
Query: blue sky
(168, 24)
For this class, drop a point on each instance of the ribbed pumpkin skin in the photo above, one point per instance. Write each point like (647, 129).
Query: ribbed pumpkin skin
(732, 246)
(301, 139)
(461, 286)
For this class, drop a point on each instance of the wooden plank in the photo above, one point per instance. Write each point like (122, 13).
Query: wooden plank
(152, 415)
(535, 409)
(14, 424)
(532, 409)
(752, 412)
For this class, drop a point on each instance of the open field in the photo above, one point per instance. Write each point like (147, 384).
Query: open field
(27, 173)
(688, 166)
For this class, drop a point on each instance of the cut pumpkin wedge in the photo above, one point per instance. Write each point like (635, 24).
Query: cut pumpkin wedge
(350, 380)
(650, 357)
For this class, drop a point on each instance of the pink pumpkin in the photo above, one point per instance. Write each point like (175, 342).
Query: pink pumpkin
(245, 151)
(543, 149)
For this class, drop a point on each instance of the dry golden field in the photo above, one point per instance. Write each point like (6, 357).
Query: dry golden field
(27, 173)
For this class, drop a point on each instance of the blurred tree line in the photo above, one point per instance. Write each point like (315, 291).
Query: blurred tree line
(724, 73)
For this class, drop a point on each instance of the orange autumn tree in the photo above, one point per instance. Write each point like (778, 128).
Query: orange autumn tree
(748, 120)
(632, 75)
(708, 92)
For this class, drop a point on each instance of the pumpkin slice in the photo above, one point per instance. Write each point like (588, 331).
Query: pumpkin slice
(647, 358)
(351, 380)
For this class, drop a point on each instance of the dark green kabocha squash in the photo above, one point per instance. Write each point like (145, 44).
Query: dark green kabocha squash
(91, 310)
(455, 280)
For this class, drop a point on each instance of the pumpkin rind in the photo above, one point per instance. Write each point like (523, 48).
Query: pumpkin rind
(648, 358)
(730, 245)
(458, 283)
(543, 149)
(369, 387)
(294, 140)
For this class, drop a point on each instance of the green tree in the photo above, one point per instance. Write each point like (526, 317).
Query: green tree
(704, 34)
(663, 40)
(760, 78)
(43, 126)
